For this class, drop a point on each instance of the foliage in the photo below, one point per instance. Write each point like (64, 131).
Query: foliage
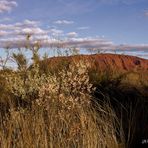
(61, 113)
(70, 105)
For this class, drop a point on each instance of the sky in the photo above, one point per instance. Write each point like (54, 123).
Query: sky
(109, 25)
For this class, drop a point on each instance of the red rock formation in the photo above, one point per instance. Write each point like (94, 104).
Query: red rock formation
(122, 63)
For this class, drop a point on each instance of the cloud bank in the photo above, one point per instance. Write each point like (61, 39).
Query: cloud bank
(14, 36)
(7, 5)
(72, 34)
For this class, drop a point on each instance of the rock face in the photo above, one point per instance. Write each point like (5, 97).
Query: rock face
(122, 63)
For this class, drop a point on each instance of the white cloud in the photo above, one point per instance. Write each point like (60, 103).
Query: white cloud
(26, 23)
(46, 41)
(14, 36)
(93, 43)
(72, 34)
(7, 27)
(56, 32)
(85, 43)
(3, 33)
(31, 31)
(134, 47)
(7, 5)
(63, 22)
(83, 28)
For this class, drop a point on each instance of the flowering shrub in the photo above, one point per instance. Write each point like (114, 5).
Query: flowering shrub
(70, 87)
(26, 85)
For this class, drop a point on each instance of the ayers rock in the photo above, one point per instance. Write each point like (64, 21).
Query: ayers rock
(101, 62)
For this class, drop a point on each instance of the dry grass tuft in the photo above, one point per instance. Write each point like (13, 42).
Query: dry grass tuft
(61, 114)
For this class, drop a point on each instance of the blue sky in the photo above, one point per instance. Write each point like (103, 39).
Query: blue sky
(104, 24)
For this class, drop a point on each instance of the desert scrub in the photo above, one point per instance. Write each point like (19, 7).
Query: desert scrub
(61, 113)
(71, 86)
(25, 85)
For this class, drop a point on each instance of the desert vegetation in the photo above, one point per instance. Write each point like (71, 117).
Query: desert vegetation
(68, 104)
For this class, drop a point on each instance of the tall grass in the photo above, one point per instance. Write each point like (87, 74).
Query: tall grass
(55, 110)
